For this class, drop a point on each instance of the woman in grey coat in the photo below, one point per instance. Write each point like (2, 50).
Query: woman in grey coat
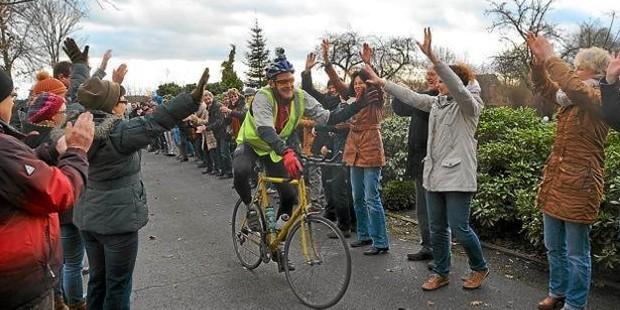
(450, 164)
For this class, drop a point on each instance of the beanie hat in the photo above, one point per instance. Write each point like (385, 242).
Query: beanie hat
(96, 94)
(44, 107)
(279, 65)
(46, 83)
(6, 85)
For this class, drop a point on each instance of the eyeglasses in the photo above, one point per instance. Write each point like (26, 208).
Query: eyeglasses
(285, 82)
(62, 112)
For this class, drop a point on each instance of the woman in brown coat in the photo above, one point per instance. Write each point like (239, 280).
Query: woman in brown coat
(572, 186)
(363, 153)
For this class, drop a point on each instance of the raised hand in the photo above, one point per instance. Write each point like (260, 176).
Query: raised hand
(200, 86)
(118, 74)
(73, 51)
(325, 51)
(539, 46)
(310, 61)
(426, 47)
(105, 59)
(373, 78)
(79, 135)
(613, 70)
(366, 53)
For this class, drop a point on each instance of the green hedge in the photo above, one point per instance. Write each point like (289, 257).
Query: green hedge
(513, 145)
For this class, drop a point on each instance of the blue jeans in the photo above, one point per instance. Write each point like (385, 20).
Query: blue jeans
(223, 148)
(368, 207)
(73, 255)
(570, 266)
(449, 212)
(111, 259)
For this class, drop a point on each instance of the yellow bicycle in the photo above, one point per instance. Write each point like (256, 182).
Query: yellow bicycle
(317, 267)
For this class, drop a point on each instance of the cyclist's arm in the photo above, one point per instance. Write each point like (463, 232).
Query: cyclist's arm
(263, 118)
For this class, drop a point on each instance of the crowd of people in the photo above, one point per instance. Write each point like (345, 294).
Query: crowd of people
(72, 180)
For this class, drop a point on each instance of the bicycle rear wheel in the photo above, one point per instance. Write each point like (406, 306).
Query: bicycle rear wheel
(322, 267)
(247, 243)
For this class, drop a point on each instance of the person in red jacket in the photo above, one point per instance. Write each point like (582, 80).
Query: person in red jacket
(32, 193)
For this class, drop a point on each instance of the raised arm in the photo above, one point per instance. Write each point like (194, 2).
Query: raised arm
(138, 132)
(340, 86)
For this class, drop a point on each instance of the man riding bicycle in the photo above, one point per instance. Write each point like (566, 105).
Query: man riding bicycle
(267, 131)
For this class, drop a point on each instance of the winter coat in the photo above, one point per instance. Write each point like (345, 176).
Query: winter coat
(572, 185)
(306, 126)
(450, 163)
(610, 97)
(417, 137)
(31, 195)
(236, 117)
(364, 146)
(34, 141)
(215, 121)
(115, 199)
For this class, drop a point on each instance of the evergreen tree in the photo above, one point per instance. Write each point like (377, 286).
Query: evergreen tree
(229, 76)
(256, 58)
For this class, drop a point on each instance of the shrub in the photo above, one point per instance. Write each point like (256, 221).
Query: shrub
(394, 132)
(399, 195)
(513, 146)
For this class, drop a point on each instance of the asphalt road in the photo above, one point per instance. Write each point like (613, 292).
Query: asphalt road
(186, 261)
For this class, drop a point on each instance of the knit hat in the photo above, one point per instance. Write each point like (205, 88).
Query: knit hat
(46, 83)
(44, 107)
(249, 91)
(96, 94)
(6, 85)
(278, 65)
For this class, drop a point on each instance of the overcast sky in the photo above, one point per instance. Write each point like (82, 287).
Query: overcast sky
(164, 40)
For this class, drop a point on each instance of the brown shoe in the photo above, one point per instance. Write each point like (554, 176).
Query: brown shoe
(80, 306)
(551, 303)
(475, 279)
(59, 303)
(434, 282)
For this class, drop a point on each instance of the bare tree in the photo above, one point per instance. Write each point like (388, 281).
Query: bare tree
(391, 56)
(16, 37)
(518, 17)
(344, 52)
(55, 21)
(593, 33)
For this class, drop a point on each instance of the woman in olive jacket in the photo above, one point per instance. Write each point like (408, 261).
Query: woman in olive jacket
(113, 207)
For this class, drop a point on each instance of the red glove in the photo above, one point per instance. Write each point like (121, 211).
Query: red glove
(292, 164)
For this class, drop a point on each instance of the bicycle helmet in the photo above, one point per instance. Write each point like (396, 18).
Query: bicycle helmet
(278, 65)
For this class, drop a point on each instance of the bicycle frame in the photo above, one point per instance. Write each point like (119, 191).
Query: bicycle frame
(299, 214)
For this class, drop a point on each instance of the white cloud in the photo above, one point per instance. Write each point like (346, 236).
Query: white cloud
(164, 40)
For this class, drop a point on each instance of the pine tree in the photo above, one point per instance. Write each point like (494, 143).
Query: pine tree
(256, 58)
(229, 76)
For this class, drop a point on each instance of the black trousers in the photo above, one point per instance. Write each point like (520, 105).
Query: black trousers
(243, 165)
(338, 196)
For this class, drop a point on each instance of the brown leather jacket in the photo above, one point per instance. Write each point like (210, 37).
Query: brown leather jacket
(572, 185)
(364, 146)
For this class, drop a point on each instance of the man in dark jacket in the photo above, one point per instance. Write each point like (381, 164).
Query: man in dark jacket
(113, 207)
(418, 136)
(610, 94)
(32, 194)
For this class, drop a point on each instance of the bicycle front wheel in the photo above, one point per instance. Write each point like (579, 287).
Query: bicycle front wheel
(246, 241)
(322, 264)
